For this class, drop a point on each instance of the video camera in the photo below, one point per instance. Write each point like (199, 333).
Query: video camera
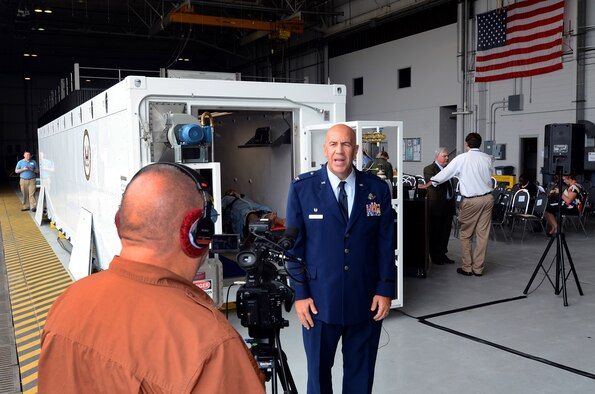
(266, 289)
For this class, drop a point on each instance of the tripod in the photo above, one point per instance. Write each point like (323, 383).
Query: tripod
(561, 247)
(271, 359)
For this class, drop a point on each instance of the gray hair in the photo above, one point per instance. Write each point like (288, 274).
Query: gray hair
(440, 150)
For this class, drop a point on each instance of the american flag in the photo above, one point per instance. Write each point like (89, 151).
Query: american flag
(521, 40)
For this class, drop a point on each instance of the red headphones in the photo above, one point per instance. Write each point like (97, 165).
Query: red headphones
(197, 229)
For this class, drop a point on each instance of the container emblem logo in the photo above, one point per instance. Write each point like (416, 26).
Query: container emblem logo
(87, 154)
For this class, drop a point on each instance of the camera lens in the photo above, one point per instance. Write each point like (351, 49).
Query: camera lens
(246, 260)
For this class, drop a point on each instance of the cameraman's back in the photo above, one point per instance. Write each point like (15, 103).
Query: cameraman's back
(141, 325)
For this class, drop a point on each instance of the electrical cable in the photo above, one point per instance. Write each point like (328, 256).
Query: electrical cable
(544, 276)
(174, 59)
(227, 299)
(59, 240)
(388, 338)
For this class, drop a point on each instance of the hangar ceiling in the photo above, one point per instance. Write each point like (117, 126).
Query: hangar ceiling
(47, 37)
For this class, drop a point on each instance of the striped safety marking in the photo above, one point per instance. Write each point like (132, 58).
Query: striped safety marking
(35, 279)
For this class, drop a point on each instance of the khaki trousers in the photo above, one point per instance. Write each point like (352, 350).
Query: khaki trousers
(475, 217)
(28, 190)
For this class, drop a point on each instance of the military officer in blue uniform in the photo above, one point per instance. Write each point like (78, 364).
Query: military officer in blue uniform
(345, 236)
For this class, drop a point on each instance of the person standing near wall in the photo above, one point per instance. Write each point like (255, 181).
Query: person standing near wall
(474, 170)
(345, 235)
(441, 207)
(27, 169)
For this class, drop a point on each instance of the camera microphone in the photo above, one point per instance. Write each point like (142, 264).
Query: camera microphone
(288, 239)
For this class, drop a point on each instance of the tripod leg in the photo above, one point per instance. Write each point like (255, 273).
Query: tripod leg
(562, 272)
(559, 260)
(539, 265)
(572, 268)
(283, 368)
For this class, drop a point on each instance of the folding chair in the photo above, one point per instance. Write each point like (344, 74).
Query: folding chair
(535, 216)
(578, 220)
(499, 214)
(520, 204)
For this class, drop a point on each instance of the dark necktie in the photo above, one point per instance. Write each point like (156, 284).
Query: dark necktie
(343, 201)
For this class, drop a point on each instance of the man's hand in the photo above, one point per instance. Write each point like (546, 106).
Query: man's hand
(381, 303)
(303, 309)
(424, 185)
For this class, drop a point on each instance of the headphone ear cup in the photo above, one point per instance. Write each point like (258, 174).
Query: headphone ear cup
(117, 223)
(185, 237)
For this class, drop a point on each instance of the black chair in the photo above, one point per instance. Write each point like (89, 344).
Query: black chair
(535, 216)
(578, 221)
(499, 214)
(519, 204)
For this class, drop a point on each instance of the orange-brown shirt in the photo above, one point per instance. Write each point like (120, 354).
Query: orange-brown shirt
(138, 328)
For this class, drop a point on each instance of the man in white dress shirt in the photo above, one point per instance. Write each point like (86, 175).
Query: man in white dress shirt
(474, 170)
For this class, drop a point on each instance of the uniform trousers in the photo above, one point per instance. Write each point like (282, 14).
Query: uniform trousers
(28, 190)
(359, 347)
(475, 217)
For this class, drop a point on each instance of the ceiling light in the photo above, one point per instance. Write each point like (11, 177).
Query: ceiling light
(87, 80)
(34, 55)
(26, 54)
(27, 78)
(48, 11)
(40, 29)
(186, 59)
(38, 9)
(180, 59)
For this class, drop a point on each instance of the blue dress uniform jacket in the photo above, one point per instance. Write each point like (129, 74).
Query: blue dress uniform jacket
(346, 263)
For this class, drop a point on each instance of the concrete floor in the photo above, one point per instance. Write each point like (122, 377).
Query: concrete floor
(511, 344)
(529, 344)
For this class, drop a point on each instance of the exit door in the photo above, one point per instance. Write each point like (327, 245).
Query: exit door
(528, 159)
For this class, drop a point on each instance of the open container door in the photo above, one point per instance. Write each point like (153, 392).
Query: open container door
(367, 131)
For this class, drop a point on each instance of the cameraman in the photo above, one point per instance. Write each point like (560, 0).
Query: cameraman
(141, 325)
(344, 223)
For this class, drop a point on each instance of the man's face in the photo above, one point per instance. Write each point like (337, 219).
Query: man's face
(442, 159)
(340, 150)
(27, 156)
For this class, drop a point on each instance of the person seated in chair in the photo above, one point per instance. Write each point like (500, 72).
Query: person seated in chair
(526, 182)
(571, 202)
(239, 211)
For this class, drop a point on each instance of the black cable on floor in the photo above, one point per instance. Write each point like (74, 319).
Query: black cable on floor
(466, 308)
(423, 320)
(510, 350)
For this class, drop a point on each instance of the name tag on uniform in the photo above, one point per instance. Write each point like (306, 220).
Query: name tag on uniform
(313, 216)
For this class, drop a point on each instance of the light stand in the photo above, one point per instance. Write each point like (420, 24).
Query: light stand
(561, 247)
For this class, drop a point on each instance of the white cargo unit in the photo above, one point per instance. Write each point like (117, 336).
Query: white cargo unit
(88, 155)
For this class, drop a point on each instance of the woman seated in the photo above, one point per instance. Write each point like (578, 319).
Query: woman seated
(571, 202)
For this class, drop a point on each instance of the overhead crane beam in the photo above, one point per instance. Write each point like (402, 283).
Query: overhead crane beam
(185, 14)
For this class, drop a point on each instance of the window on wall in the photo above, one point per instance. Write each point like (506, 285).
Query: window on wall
(404, 77)
(358, 86)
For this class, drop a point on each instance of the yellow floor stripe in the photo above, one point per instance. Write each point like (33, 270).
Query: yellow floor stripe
(29, 355)
(35, 279)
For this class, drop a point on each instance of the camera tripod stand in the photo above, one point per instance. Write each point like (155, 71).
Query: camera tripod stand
(271, 359)
(561, 248)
